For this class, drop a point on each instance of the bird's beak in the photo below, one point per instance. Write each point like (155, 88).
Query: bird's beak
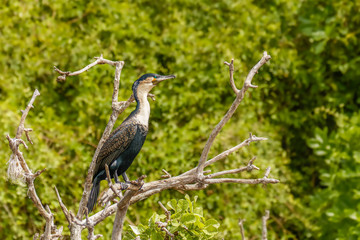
(162, 78)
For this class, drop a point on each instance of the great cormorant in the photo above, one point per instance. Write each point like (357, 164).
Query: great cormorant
(122, 146)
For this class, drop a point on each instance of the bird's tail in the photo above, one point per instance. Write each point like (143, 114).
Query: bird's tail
(93, 195)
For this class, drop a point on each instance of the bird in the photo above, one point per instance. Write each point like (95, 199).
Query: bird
(124, 144)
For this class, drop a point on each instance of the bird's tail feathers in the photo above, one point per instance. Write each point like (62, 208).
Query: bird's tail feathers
(93, 196)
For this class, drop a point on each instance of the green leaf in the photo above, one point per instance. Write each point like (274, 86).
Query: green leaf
(212, 222)
(135, 229)
(182, 205)
(172, 204)
(188, 218)
(210, 230)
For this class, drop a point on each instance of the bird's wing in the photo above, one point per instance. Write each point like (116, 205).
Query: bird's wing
(116, 144)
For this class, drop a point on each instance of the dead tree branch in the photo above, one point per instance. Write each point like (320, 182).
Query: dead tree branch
(163, 225)
(241, 225)
(264, 229)
(22, 171)
(239, 97)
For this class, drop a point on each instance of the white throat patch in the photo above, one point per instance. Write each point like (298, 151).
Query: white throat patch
(143, 115)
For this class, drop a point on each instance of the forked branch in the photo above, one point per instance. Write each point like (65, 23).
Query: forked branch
(18, 168)
(239, 97)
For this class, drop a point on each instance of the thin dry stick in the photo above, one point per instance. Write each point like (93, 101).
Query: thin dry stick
(25, 112)
(162, 225)
(63, 207)
(167, 212)
(239, 97)
(29, 176)
(248, 168)
(231, 71)
(264, 229)
(241, 225)
(167, 175)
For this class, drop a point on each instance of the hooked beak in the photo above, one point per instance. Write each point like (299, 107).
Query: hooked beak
(161, 78)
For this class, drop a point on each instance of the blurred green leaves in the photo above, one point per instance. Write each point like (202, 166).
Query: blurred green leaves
(337, 200)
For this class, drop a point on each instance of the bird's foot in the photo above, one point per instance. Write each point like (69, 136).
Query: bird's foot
(124, 186)
(132, 182)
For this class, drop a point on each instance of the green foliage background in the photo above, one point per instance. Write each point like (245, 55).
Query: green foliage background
(306, 104)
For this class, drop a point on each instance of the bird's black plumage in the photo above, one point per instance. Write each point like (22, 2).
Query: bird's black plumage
(123, 145)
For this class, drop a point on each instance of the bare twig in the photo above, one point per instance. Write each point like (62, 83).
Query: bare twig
(27, 173)
(266, 175)
(248, 168)
(25, 112)
(241, 225)
(36, 236)
(27, 130)
(239, 97)
(231, 150)
(117, 108)
(243, 181)
(63, 207)
(163, 226)
(264, 229)
(90, 226)
(231, 71)
(250, 165)
(167, 212)
(167, 175)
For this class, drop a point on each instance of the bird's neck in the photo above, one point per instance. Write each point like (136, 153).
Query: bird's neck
(142, 111)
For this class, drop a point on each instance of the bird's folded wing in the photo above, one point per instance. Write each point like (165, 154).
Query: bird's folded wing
(116, 144)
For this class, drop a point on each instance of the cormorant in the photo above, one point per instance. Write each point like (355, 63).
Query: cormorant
(122, 146)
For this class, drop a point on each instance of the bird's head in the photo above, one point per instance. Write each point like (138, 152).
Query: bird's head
(147, 81)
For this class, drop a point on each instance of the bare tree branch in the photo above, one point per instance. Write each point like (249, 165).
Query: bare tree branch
(122, 207)
(167, 175)
(248, 168)
(231, 71)
(241, 225)
(264, 229)
(25, 112)
(63, 207)
(226, 153)
(239, 97)
(51, 232)
(163, 225)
